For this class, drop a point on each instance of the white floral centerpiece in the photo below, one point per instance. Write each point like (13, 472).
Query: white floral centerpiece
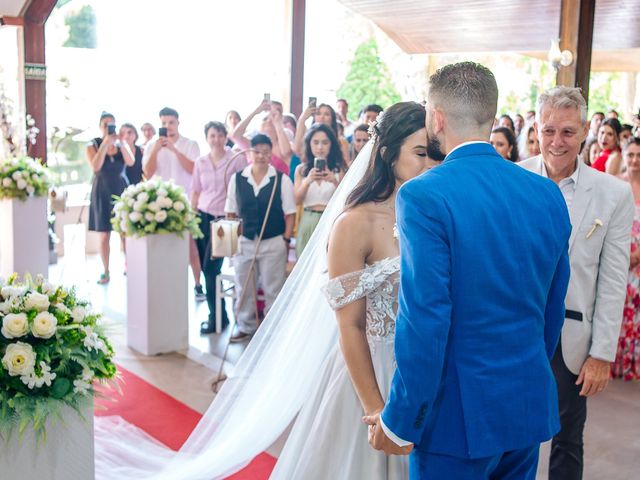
(154, 206)
(52, 348)
(22, 178)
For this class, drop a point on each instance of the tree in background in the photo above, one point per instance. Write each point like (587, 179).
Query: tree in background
(82, 28)
(368, 80)
(601, 92)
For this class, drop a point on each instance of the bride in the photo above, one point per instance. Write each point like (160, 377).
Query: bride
(294, 371)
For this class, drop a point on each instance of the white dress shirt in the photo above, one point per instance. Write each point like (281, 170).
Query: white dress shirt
(168, 165)
(567, 185)
(286, 190)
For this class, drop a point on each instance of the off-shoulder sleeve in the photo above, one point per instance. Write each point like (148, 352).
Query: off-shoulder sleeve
(348, 288)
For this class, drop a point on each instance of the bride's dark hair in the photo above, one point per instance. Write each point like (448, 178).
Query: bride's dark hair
(397, 123)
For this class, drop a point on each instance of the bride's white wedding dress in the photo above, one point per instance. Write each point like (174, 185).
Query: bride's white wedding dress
(328, 439)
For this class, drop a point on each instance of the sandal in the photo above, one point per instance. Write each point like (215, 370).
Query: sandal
(104, 279)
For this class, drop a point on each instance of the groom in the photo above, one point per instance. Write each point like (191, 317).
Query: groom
(484, 273)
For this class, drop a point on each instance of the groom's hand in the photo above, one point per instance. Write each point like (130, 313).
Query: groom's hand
(379, 440)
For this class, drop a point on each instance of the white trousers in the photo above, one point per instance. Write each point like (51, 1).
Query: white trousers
(270, 268)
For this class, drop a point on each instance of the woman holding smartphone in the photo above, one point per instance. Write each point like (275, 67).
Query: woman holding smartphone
(316, 179)
(108, 159)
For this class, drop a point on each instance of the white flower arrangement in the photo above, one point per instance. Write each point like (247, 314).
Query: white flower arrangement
(22, 178)
(154, 206)
(52, 349)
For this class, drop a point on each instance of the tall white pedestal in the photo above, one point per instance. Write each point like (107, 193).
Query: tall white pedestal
(157, 293)
(24, 237)
(66, 454)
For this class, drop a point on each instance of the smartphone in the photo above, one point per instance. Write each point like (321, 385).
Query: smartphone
(162, 132)
(267, 97)
(313, 101)
(111, 129)
(320, 163)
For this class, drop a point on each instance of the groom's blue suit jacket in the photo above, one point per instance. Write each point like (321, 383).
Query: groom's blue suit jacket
(484, 273)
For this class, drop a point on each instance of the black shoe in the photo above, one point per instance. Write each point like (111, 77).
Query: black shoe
(207, 327)
(200, 296)
(210, 326)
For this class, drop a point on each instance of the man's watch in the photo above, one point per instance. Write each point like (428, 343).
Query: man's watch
(288, 240)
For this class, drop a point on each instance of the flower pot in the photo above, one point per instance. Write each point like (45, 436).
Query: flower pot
(24, 242)
(157, 293)
(67, 453)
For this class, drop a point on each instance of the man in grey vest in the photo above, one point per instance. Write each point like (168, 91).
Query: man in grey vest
(248, 197)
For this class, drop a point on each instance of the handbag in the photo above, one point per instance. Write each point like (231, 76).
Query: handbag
(225, 234)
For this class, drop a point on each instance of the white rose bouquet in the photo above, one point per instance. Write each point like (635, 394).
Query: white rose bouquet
(154, 206)
(23, 177)
(52, 349)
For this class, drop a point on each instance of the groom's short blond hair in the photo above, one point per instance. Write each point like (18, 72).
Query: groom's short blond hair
(467, 93)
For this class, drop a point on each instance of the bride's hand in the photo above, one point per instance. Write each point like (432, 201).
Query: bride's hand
(379, 440)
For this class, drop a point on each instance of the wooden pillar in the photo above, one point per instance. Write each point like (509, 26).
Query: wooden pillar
(35, 78)
(576, 35)
(297, 56)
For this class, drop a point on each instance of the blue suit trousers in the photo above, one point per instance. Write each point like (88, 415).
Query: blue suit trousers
(515, 465)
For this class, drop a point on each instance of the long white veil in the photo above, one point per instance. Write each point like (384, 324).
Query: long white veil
(267, 387)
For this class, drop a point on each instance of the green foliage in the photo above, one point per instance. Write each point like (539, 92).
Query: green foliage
(368, 80)
(602, 92)
(82, 28)
(44, 369)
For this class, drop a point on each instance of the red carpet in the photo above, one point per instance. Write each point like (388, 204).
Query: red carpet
(166, 419)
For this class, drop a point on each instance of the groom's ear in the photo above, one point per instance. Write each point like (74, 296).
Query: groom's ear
(438, 121)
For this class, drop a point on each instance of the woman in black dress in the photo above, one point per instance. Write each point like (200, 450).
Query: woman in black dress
(129, 135)
(108, 159)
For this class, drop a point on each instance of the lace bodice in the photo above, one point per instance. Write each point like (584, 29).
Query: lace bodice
(379, 284)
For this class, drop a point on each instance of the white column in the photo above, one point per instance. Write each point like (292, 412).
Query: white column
(24, 237)
(157, 293)
(66, 454)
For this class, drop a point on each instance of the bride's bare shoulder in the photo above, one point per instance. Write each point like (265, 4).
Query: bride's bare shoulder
(351, 232)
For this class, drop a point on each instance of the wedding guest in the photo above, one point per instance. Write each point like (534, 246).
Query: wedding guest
(612, 114)
(626, 134)
(504, 141)
(324, 114)
(248, 198)
(231, 121)
(209, 181)
(609, 159)
(272, 127)
(360, 138)
(594, 126)
(314, 185)
(290, 123)
(342, 110)
(129, 134)
(506, 121)
(171, 157)
(601, 208)
(148, 132)
(518, 124)
(108, 161)
(370, 113)
(627, 362)
(531, 116)
(528, 145)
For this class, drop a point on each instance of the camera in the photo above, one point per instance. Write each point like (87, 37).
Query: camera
(162, 132)
(267, 97)
(313, 101)
(111, 129)
(320, 163)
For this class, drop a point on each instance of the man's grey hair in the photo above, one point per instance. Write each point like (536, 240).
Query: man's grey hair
(467, 93)
(563, 97)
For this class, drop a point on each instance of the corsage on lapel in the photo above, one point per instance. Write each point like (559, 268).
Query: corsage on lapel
(596, 223)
